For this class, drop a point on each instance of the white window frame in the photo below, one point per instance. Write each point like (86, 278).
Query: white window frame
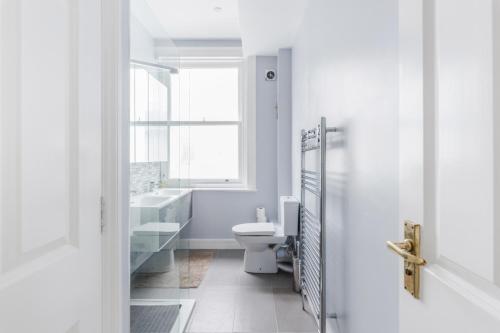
(242, 181)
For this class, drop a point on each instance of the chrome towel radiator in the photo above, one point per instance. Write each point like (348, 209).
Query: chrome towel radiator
(312, 220)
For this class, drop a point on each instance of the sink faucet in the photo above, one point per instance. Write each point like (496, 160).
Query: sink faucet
(152, 186)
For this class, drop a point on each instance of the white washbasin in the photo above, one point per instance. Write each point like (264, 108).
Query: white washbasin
(156, 229)
(172, 191)
(150, 201)
(157, 199)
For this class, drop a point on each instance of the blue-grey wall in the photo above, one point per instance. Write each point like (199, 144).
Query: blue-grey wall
(345, 67)
(216, 212)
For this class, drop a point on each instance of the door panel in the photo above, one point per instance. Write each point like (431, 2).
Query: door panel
(50, 166)
(449, 148)
(45, 119)
(464, 134)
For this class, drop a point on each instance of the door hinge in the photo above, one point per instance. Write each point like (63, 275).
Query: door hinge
(102, 214)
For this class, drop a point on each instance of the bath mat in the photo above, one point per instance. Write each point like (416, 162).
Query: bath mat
(153, 318)
(190, 269)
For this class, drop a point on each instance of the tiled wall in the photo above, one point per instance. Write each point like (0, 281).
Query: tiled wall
(141, 174)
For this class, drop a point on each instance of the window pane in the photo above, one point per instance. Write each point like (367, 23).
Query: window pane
(179, 152)
(204, 152)
(158, 99)
(141, 144)
(140, 91)
(148, 95)
(132, 144)
(158, 144)
(132, 93)
(209, 94)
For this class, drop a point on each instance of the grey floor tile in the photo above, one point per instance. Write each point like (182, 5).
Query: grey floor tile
(191, 293)
(155, 293)
(279, 280)
(284, 280)
(220, 278)
(232, 254)
(289, 313)
(256, 280)
(255, 310)
(214, 311)
(223, 272)
(233, 264)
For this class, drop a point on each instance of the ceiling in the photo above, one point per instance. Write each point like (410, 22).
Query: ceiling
(264, 26)
(197, 19)
(267, 25)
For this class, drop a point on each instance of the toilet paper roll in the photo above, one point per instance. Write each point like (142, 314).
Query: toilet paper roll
(261, 214)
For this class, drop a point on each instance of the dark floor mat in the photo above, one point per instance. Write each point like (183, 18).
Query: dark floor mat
(153, 318)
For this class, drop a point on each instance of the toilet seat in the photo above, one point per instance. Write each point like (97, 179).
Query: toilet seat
(254, 229)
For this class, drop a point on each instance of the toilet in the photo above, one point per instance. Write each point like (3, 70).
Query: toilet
(261, 240)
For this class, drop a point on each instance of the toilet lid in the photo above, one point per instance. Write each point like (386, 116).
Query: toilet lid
(254, 229)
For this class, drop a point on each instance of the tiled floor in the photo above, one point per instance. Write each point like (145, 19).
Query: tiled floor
(230, 300)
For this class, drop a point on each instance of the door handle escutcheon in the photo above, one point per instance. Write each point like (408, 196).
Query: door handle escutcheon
(409, 250)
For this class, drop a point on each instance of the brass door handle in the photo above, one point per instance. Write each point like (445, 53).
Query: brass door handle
(409, 249)
(404, 250)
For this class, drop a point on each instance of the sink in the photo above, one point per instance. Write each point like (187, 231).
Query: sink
(157, 199)
(150, 201)
(162, 205)
(156, 218)
(172, 191)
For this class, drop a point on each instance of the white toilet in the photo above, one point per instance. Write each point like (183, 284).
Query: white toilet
(260, 239)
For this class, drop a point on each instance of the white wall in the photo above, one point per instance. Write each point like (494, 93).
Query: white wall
(284, 130)
(142, 45)
(216, 212)
(345, 68)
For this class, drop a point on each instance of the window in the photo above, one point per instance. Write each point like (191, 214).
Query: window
(206, 137)
(192, 121)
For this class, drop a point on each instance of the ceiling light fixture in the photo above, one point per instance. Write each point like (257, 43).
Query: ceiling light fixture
(217, 9)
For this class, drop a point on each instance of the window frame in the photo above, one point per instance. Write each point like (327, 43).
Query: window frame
(241, 181)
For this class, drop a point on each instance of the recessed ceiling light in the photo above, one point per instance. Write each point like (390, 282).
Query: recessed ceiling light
(217, 9)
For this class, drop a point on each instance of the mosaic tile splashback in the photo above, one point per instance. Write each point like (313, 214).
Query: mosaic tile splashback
(142, 174)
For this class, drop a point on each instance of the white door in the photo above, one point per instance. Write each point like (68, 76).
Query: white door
(50, 154)
(450, 161)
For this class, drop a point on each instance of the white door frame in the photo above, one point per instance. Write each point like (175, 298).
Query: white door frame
(115, 106)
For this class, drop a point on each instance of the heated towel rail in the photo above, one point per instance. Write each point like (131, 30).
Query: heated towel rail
(312, 221)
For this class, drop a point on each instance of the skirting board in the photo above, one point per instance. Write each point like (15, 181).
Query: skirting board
(209, 244)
